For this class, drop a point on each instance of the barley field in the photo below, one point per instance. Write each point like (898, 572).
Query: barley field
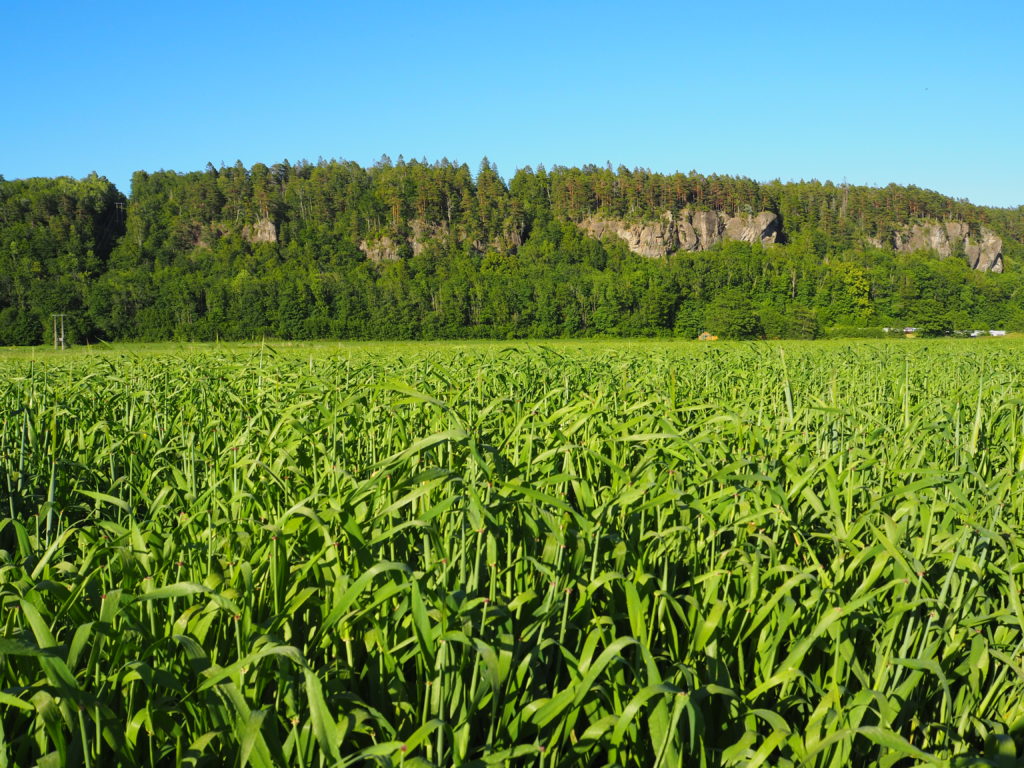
(573, 554)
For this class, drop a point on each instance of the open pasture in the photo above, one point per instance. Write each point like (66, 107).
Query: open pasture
(600, 554)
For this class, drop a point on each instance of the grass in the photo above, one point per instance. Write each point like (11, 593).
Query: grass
(575, 553)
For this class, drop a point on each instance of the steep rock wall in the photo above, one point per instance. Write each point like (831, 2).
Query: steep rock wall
(686, 230)
(689, 230)
(382, 249)
(263, 231)
(422, 233)
(984, 253)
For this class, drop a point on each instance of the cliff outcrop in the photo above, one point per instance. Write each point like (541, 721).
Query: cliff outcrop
(419, 234)
(263, 231)
(690, 230)
(983, 252)
(686, 231)
(391, 247)
(381, 249)
(699, 230)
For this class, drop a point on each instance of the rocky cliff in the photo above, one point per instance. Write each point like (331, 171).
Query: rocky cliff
(686, 230)
(381, 249)
(263, 231)
(390, 247)
(419, 234)
(984, 253)
(699, 230)
(689, 230)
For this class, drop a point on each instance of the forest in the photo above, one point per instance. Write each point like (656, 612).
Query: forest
(431, 250)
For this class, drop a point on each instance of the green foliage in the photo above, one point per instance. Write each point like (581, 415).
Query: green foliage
(794, 322)
(856, 332)
(730, 315)
(654, 554)
(55, 238)
(939, 324)
(307, 250)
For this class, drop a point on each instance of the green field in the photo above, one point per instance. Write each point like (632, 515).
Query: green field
(559, 554)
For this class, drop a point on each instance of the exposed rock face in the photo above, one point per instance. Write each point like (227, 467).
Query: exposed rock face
(687, 231)
(263, 231)
(984, 254)
(763, 227)
(416, 239)
(421, 232)
(653, 238)
(384, 249)
(699, 230)
(512, 237)
(708, 227)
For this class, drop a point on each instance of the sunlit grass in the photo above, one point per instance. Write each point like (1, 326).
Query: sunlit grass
(553, 554)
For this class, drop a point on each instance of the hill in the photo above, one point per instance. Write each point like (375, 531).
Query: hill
(432, 250)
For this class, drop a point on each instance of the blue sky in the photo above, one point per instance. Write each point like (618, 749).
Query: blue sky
(925, 93)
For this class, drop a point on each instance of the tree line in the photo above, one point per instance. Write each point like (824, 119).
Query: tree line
(412, 249)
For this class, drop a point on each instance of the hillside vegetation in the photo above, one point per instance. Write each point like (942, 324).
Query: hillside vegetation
(417, 250)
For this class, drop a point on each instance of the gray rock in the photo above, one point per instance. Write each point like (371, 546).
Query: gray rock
(687, 235)
(652, 239)
(984, 254)
(263, 231)
(987, 255)
(709, 226)
(763, 228)
(686, 231)
(383, 249)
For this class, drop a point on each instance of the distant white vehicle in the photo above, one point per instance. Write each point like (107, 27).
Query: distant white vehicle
(997, 333)
(975, 334)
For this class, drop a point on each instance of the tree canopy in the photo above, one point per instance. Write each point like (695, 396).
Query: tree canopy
(412, 249)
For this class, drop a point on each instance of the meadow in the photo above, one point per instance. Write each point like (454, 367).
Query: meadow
(561, 554)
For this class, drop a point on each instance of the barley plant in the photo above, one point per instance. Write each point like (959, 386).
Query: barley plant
(600, 554)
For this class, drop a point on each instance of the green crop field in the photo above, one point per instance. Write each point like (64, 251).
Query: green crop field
(573, 554)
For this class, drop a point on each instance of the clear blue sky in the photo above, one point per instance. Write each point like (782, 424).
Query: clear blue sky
(925, 93)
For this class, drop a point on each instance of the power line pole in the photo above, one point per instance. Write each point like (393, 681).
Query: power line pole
(58, 323)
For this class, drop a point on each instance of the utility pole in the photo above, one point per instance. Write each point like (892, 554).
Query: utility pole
(58, 330)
